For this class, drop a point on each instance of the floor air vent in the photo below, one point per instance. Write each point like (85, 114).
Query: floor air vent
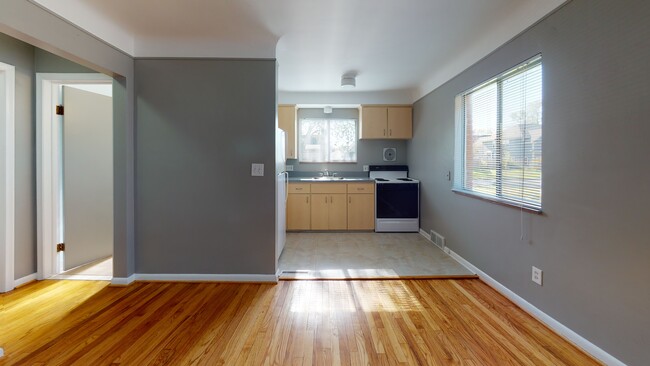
(295, 272)
(438, 239)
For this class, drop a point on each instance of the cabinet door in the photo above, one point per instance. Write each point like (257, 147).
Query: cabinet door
(361, 211)
(320, 211)
(287, 122)
(338, 212)
(400, 122)
(298, 212)
(373, 123)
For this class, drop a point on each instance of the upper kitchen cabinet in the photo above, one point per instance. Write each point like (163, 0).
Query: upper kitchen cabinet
(386, 122)
(287, 122)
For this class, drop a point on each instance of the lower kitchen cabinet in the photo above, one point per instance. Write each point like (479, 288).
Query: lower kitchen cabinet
(298, 207)
(361, 211)
(331, 206)
(328, 211)
(361, 206)
(298, 212)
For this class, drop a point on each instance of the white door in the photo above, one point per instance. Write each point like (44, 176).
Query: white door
(87, 176)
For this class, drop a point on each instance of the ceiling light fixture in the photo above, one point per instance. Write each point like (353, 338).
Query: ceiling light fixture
(348, 81)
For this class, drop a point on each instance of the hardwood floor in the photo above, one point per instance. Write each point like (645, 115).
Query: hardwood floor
(410, 322)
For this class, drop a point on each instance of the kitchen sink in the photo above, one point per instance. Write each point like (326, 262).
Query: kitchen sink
(326, 178)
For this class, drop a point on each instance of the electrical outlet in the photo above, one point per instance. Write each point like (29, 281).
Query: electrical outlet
(537, 275)
(366, 168)
(257, 170)
(289, 168)
(448, 175)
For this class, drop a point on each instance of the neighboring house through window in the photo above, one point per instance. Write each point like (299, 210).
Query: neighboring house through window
(327, 140)
(499, 137)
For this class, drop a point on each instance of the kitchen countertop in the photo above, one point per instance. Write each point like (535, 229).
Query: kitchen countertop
(329, 179)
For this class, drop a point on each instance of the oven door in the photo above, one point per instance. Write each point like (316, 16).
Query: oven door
(397, 201)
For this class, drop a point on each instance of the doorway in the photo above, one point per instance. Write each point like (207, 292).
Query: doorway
(75, 176)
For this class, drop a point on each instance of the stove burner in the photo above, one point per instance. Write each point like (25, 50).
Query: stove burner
(405, 179)
(381, 180)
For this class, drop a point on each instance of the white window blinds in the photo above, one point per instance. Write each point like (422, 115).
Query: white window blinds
(499, 137)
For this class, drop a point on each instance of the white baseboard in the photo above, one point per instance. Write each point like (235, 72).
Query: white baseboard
(182, 277)
(123, 281)
(555, 325)
(23, 280)
(81, 277)
(425, 234)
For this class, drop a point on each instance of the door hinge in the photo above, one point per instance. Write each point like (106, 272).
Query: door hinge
(59, 110)
(60, 247)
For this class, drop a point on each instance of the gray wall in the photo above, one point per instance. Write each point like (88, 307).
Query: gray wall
(201, 123)
(28, 60)
(48, 62)
(32, 24)
(21, 55)
(592, 241)
(368, 151)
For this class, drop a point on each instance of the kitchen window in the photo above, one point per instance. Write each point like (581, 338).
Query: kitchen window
(327, 140)
(499, 138)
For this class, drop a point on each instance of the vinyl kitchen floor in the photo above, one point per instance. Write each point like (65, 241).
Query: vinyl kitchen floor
(365, 256)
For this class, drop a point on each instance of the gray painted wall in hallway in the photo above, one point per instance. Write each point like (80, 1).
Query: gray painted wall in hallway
(28, 60)
(31, 23)
(592, 240)
(201, 123)
(368, 151)
(21, 55)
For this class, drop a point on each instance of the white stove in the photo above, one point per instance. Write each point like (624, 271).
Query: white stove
(397, 199)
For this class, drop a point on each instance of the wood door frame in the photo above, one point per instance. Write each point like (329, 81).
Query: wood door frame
(48, 165)
(8, 155)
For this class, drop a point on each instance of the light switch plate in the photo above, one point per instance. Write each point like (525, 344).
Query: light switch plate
(257, 170)
(366, 168)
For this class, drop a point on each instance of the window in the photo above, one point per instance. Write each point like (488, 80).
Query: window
(327, 140)
(499, 137)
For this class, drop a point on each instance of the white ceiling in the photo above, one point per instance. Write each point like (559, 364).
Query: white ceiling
(408, 45)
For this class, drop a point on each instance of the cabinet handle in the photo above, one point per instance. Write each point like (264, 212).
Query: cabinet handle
(307, 199)
(384, 132)
(390, 132)
(325, 199)
(349, 199)
(298, 189)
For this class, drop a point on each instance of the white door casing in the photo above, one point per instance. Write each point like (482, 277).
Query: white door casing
(48, 164)
(7, 166)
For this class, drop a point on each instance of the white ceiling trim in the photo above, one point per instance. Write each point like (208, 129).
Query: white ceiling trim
(86, 18)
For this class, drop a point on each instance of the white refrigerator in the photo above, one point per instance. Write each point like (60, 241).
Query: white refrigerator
(281, 185)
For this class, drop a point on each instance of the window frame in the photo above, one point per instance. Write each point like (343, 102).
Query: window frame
(355, 139)
(461, 140)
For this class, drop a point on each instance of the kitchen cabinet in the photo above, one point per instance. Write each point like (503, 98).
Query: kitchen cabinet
(298, 207)
(386, 122)
(361, 206)
(328, 206)
(287, 122)
(331, 206)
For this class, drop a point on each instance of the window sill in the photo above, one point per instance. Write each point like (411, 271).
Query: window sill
(497, 201)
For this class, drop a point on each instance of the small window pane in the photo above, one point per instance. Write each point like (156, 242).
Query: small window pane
(328, 141)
